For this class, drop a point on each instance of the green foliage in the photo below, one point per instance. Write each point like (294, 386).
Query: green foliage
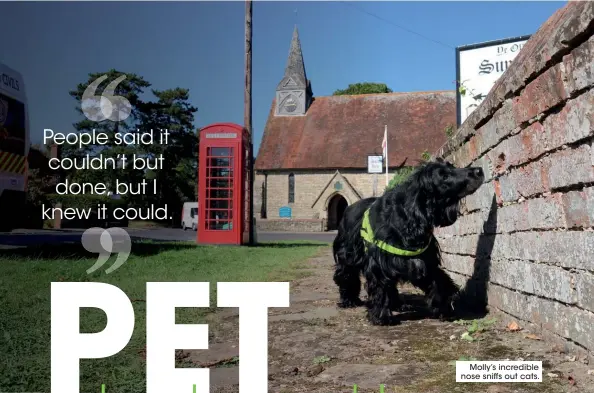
(426, 156)
(321, 359)
(463, 89)
(88, 206)
(233, 362)
(176, 182)
(364, 88)
(169, 110)
(449, 130)
(400, 176)
(40, 179)
(475, 328)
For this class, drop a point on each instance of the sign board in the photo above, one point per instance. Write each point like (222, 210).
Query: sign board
(229, 135)
(478, 67)
(375, 164)
(284, 212)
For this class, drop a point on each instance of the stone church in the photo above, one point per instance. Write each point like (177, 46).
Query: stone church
(312, 161)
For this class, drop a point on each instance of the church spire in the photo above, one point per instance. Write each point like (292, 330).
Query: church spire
(295, 66)
(293, 93)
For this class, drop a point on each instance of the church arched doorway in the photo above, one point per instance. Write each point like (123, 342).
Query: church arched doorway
(336, 207)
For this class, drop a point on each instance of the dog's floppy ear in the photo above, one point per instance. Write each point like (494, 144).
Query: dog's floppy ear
(448, 216)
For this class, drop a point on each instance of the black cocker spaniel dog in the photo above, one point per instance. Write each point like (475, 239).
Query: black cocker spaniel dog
(390, 240)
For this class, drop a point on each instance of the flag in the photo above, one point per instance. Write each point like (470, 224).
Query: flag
(385, 144)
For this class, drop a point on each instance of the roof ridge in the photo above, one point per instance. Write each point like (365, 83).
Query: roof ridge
(399, 93)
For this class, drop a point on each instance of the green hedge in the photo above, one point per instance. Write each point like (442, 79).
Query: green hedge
(400, 176)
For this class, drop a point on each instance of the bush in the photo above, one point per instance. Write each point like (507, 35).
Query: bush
(400, 176)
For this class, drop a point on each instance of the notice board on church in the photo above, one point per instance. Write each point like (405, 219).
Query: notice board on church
(375, 164)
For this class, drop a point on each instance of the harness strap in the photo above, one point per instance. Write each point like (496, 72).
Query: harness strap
(367, 235)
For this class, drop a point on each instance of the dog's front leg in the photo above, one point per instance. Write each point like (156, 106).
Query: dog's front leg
(380, 295)
(349, 284)
(441, 294)
(396, 303)
(447, 294)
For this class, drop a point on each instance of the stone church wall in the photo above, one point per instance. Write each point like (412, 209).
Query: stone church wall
(313, 190)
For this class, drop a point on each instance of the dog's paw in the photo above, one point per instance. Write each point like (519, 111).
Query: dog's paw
(350, 303)
(446, 317)
(406, 308)
(445, 314)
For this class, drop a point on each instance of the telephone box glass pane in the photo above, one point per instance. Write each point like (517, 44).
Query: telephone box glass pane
(222, 204)
(219, 183)
(219, 193)
(220, 157)
(220, 152)
(220, 225)
(220, 162)
(218, 215)
(220, 172)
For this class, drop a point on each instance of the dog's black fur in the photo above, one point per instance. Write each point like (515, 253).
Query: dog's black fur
(403, 217)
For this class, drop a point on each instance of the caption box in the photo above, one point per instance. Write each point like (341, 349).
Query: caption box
(499, 371)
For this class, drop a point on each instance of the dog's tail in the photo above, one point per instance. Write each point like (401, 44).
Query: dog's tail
(338, 245)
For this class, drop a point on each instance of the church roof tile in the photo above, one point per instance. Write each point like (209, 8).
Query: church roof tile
(339, 132)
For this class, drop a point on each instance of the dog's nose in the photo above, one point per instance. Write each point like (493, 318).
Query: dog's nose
(477, 172)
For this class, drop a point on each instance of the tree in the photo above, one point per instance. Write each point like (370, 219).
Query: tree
(130, 88)
(364, 88)
(176, 181)
(169, 110)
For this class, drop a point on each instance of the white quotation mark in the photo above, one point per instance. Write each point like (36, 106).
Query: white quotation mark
(106, 242)
(107, 106)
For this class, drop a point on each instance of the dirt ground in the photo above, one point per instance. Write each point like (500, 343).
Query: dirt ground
(315, 347)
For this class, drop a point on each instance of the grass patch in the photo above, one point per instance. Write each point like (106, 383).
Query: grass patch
(229, 363)
(26, 274)
(475, 328)
(321, 359)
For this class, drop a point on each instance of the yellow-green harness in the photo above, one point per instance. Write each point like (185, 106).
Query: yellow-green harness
(367, 235)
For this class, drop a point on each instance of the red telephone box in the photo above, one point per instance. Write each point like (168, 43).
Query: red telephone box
(221, 188)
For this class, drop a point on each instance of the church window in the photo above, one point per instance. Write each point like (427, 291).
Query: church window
(291, 188)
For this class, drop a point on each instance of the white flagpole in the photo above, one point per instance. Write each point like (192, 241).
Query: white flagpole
(386, 136)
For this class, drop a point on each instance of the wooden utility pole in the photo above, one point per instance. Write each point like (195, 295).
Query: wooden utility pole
(247, 120)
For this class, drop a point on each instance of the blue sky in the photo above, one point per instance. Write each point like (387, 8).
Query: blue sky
(200, 46)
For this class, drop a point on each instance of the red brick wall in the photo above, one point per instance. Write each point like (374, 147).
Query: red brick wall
(529, 230)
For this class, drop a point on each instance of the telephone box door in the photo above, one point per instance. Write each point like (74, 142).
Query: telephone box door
(220, 196)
